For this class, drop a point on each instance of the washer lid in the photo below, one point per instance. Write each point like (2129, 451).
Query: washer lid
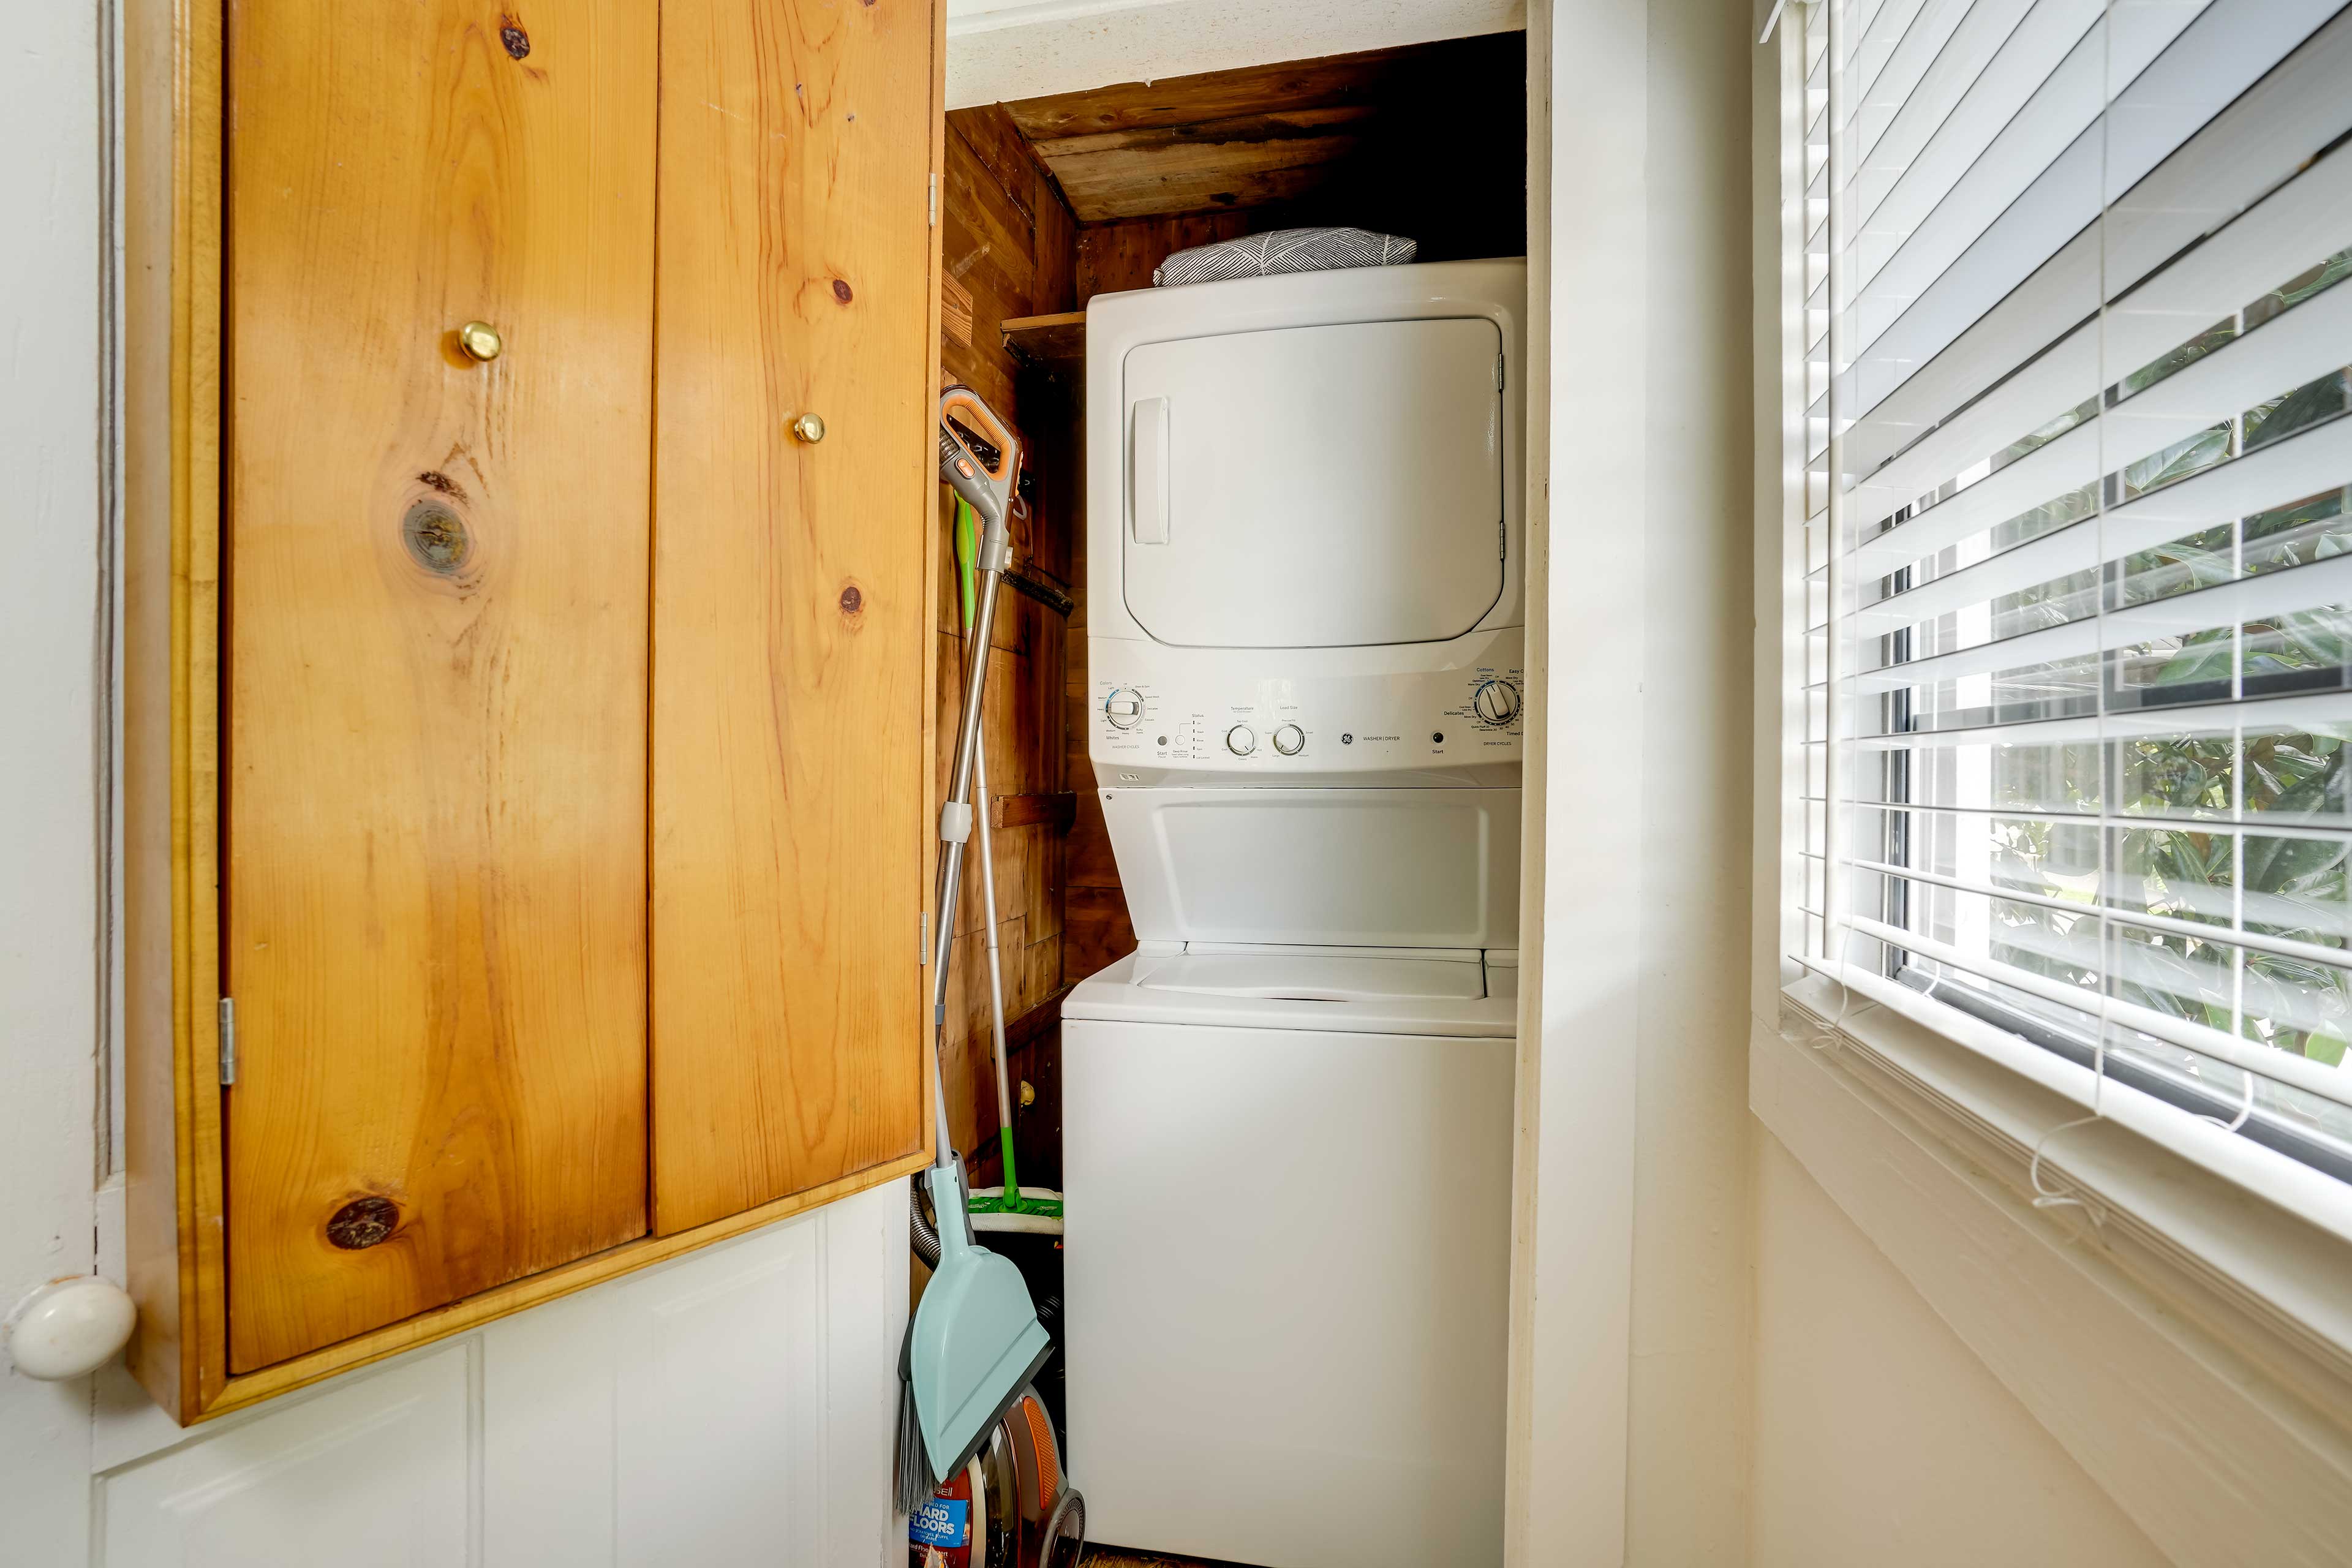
(1297, 977)
(1427, 998)
(1315, 486)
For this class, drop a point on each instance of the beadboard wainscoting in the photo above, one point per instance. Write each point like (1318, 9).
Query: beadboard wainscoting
(733, 1408)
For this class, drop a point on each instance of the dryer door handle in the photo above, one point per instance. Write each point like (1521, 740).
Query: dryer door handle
(1146, 471)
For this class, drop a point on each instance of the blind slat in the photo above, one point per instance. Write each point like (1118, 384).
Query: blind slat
(2274, 359)
(2037, 269)
(2321, 584)
(2066, 463)
(2302, 222)
(2324, 715)
(1906, 70)
(2271, 476)
(2199, 930)
(2091, 821)
(2298, 1072)
(2003, 54)
(1872, 43)
(2297, 225)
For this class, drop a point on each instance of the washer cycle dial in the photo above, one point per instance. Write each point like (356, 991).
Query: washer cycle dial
(1241, 740)
(1290, 740)
(1497, 702)
(1124, 709)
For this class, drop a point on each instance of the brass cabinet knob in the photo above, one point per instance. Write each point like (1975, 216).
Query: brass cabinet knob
(809, 428)
(480, 341)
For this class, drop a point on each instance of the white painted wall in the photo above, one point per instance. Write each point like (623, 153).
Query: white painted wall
(734, 1408)
(1880, 1438)
(1688, 1418)
(1580, 1001)
(50, 680)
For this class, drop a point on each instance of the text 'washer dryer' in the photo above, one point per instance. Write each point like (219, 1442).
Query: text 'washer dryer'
(1288, 1116)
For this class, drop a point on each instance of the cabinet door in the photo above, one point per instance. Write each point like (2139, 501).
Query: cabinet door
(436, 724)
(790, 747)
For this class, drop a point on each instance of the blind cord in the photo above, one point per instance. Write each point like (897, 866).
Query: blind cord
(2048, 1197)
(1831, 1035)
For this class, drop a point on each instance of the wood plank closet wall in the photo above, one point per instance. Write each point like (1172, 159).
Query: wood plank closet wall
(1008, 246)
(572, 791)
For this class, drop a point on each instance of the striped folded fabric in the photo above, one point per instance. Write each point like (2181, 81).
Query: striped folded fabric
(1284, 250)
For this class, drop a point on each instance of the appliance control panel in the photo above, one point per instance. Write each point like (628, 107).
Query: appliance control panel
(1161, 715)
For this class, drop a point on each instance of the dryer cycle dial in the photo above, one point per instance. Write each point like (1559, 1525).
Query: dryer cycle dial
(1497, 702)
(1124, 709)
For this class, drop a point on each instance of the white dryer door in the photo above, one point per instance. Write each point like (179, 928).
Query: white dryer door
(1315, 486)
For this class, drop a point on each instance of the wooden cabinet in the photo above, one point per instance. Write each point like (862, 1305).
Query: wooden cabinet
(434, 717)
(790, 675)
(538, 759)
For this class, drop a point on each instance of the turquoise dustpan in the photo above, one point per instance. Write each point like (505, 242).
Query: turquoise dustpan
(975, 1342)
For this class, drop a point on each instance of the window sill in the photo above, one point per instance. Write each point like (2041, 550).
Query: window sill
(2189, 1342)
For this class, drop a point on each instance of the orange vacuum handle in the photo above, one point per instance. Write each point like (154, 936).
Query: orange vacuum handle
(965, 405)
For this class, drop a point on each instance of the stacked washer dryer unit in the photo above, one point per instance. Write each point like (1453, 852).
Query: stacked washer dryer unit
(1287, 1115)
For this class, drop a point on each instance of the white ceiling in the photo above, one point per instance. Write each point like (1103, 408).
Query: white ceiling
(1001, 49)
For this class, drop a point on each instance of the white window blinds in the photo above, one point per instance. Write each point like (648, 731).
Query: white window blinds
(2078, 533)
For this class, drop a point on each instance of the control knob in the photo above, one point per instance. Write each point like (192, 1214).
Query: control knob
(1124, 709)
(1241, 740)
(1497, 702)
(1290, 740)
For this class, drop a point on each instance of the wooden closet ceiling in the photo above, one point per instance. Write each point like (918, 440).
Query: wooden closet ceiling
(1297, 134)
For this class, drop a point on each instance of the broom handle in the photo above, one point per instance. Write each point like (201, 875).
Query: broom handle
(967, 546)
(955, 816)
(996, 969)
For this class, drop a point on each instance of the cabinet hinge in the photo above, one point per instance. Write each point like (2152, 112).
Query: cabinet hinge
(935, 201)
(923, 940)
(227, 1042)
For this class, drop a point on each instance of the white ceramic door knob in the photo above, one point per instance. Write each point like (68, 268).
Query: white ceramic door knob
(69, 1328)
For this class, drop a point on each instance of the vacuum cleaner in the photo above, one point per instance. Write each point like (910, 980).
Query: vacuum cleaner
(1011, 1506)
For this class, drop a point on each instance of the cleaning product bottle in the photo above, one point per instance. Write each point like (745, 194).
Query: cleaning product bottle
(951, 1530)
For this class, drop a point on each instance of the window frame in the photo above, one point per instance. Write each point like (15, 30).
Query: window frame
(2254, 1245)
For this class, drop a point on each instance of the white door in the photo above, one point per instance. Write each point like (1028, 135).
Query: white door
(1315, 486)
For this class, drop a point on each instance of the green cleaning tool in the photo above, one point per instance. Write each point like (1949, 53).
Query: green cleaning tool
(975, 1341)
(1009, 1199)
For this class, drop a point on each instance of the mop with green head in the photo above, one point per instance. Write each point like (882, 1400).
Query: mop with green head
(1006, 1205)
(975, 1341)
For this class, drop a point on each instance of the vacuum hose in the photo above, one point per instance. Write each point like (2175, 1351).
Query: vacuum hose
(925, 1234)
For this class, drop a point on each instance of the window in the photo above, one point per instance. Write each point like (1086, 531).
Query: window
(2077, 535)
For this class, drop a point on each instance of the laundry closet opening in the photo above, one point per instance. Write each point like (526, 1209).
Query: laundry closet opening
(1371, 608)
(1047, 203)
